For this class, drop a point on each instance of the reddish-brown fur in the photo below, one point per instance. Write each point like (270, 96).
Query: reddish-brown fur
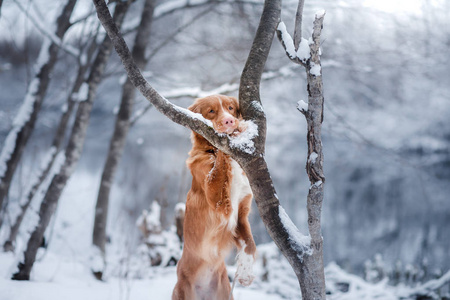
(209, 232)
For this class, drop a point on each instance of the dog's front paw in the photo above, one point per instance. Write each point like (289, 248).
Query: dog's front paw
(244, 273)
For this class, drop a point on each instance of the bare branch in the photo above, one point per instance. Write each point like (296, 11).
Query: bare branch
(177, 114)
(50, 35)
(179, 30)
(225, 88)
(298, 24)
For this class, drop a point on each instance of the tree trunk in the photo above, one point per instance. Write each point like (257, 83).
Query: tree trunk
(72, 152)
(9, 245)
(121, 128)
(25, 120)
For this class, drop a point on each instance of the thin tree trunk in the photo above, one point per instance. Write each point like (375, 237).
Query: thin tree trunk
(313, 268)
(310, 272)
(121, 129)
(26, 118)
(9, 245)
(72, 152)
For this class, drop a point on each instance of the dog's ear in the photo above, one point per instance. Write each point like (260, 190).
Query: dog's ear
(195, 107)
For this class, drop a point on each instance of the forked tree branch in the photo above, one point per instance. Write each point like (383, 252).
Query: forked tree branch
(294, 246)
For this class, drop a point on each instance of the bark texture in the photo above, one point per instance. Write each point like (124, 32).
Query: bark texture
(121, 128)
(311, 271)
(72, 152)
(21, 132)
(253, 163)
(313, 268)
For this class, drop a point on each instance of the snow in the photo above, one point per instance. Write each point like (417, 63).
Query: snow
(302, 105)
(320, 13)
(151, 219)
(24, 113)
(180, 208)
(315, 69)
(303, 52)
(301, 243)
(287, 40)
(82, 94)
(257, 106)
(312, 157)
(244, 141)
(194, 115)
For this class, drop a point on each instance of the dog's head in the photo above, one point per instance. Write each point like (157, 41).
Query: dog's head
(222, 110)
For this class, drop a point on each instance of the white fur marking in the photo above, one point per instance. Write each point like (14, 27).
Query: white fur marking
(244, 272)
(240, 188)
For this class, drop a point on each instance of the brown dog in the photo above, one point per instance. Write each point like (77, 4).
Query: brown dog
(217, 209)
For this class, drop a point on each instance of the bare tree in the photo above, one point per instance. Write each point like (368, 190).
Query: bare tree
(301, 251)
(121, 128)
(72, 151)
(55, 148)
(307, 54)
(26, 118)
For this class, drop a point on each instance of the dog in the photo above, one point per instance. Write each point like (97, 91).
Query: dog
(217, 209)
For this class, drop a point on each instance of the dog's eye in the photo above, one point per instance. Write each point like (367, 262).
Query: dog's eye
(211, 111)
(230, 108)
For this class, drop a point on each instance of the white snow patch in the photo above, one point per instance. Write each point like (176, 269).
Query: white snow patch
(312, 157)
(302, 105)
(140, 141)
(303, 52)
(315, 69)
(194, 115)
(287, 40)
(301, 243)
(180, 208)
(82, 94)
(316, 184)
(257, 106)
(150, 219)
(320, 13)
(244, 140)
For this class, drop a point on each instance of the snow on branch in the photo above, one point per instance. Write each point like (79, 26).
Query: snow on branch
(45, 30)
(299, 242)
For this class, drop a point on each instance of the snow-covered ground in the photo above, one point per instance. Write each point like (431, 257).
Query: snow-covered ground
(63, 269)
(57, 276)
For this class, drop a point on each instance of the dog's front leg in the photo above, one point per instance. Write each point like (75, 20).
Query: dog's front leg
(217, 187)
(245, 244)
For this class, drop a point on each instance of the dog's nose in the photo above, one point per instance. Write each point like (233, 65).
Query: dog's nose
(227, 122)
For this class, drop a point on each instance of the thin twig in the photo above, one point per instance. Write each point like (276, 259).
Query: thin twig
(57, 41)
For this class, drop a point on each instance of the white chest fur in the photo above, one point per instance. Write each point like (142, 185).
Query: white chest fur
(240, 188)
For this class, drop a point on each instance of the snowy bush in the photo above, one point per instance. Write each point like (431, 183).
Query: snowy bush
(163, 247)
